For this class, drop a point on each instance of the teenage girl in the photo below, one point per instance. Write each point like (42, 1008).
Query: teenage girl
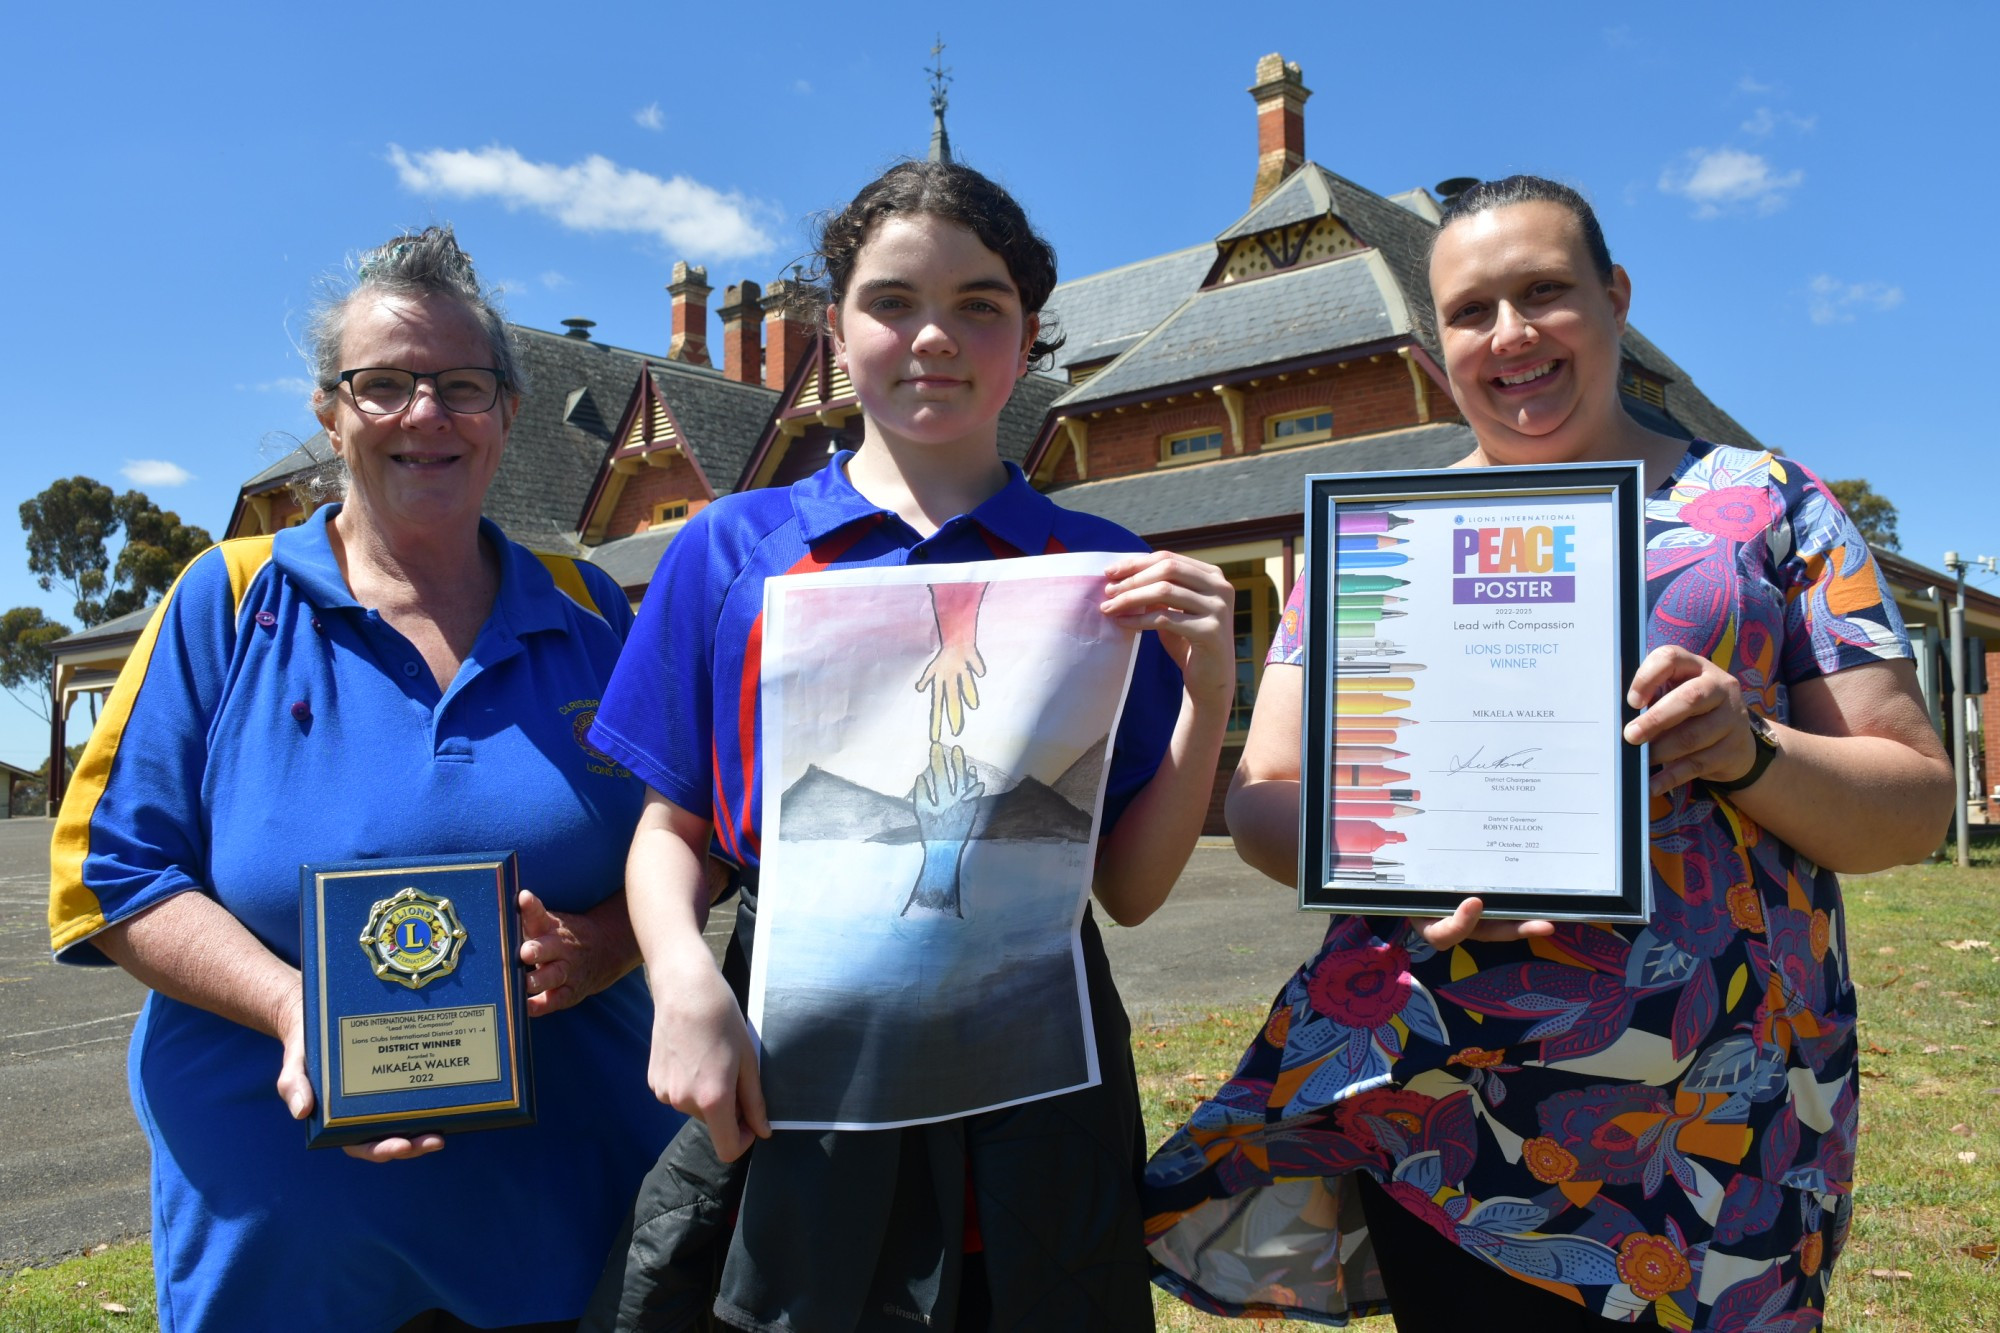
(1026, 1217)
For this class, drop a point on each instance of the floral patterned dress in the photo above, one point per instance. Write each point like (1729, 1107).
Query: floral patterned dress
(1656, 1121)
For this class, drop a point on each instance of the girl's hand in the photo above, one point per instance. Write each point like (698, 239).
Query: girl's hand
(1695, 719)
(702, 1062)
(1192, 606)
(1448, 932)
(296, 1088)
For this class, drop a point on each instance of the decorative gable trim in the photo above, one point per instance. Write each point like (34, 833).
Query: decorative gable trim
(648, 435)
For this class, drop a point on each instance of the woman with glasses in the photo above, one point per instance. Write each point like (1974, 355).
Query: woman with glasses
(392, 678)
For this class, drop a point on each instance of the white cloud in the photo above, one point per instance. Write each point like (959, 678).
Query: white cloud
(290, 384)
(1749, 85)
(1723, 178)
(155, 472)
(1620, 38)
(802, 88)
(1764, 121)
(594, 195)
(649, 117)
(1832, 301)
(554, 281)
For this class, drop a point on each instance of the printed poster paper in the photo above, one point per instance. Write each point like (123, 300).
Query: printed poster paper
(935, 743)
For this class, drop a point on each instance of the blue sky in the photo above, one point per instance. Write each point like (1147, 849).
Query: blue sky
(1789, 186)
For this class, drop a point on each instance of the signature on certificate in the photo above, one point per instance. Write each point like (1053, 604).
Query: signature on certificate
(1476, 764)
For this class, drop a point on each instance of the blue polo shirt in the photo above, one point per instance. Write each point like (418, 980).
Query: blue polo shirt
(682, 708)
(266, 719)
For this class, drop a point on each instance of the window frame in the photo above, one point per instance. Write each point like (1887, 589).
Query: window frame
(660, 508)
(1317, 435)
(1170, 459)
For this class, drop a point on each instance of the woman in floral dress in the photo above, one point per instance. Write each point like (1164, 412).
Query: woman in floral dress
(1490, 1125)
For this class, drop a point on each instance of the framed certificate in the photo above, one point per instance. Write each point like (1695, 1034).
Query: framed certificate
(416, 1018)
(1470, 633)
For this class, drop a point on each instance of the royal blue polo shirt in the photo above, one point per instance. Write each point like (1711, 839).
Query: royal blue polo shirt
(266, 719)
(682, 709)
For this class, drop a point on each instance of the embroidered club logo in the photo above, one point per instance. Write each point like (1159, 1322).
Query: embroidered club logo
(413, 939)
(579, 728)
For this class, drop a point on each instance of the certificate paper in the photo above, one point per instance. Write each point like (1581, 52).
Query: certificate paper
(1470, 636)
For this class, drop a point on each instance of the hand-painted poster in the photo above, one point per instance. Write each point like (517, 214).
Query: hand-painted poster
(935, 743)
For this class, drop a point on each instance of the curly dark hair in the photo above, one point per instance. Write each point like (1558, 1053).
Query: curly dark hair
(1489, 195)
(956, 193)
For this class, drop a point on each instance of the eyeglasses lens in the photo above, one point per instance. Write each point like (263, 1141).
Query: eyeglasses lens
(387, 390)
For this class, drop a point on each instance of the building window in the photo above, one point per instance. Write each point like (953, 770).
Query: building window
(1315, 423)
(669, 510)
(1256, 621)
(1190, 446)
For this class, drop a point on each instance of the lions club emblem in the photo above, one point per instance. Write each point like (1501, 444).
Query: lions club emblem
(413, 939)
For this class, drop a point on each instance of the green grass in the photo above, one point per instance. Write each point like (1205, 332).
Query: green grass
(1919, 1258)
(70, 1297)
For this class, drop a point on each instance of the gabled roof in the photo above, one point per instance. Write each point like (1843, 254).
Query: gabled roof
(1290, 315)
(1102, 314)
(1299, 196)
(722, 417)
(1267, 487)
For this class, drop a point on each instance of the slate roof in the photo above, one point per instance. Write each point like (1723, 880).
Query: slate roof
(1021, 420)
(314, 452)
(632, 560)
(1291, 314)
(723, 419)
(1268, 485)
(128, 624)
(1690, 414)
(550, 462)
(1102, 314)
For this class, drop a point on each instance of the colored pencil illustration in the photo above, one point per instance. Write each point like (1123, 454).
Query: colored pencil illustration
(1371, 559)
(1362, 705)
(1363, 835)
(1365, 583)
(1371, 681)
(1373, 521)
(1352, 793)
(1367, 542)
(1346, 809)
(1366, 774)
(1365, 736)
(1361, 861)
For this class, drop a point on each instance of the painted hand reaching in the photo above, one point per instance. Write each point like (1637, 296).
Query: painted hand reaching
(952, 674)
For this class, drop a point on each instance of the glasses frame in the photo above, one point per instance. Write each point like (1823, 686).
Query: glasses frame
(417, 377)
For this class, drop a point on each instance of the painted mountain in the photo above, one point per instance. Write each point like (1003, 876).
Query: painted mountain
(824, 805)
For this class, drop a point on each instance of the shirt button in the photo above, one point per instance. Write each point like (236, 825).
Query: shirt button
(410, 669)
(266, 619)
(302, 711)
(317, 627)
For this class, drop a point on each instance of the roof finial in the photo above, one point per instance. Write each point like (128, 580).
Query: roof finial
(940, 76)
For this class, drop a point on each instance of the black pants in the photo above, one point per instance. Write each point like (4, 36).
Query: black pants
(1435, 1287)
(443, 1321)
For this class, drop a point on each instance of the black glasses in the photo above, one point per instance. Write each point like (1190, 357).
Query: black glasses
(384, 391)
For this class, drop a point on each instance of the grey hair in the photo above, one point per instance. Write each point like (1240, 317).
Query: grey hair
(418, 264)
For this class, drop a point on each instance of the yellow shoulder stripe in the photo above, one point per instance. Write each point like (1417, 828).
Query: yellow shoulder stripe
(569, 581)
(74, 912)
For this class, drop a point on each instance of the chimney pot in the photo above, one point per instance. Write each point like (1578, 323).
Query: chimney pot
(690, 292)
(579, 328)
(1281, 94)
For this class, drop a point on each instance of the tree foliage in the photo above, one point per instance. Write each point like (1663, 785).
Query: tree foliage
(1872, 513)
(26, 636)
(68, 526)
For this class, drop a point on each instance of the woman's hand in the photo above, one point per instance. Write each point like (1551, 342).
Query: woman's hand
(1448, 932)
(573, 955)
(296, 1089)
(1192, 606)
(1695, 719)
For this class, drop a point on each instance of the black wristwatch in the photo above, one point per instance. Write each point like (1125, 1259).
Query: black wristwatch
(1767, 750)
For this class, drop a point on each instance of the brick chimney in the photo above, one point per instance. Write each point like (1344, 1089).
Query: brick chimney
(788, 335)
(742, 333)
(690, 291)
(1281, 96)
